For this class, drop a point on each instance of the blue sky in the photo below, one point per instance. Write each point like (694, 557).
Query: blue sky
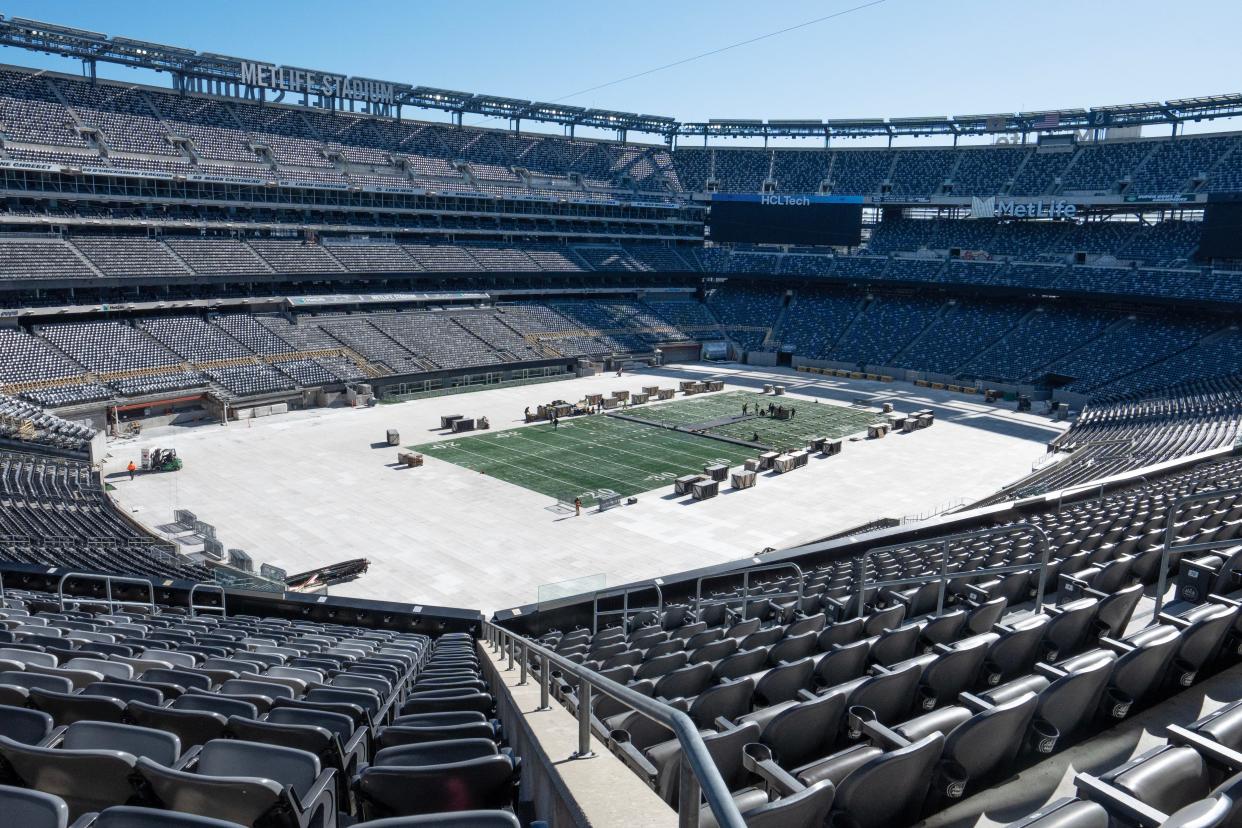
(900, 58)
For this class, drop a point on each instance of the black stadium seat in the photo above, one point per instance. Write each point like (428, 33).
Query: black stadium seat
(67, 708)
(878, 787)
(980, 739)
(192, 727)
(803, 730)
(1065, 813)
(32, 809)
(128, 816)
(248, 783)
(29, 727)
(460, 819)
(402, 790)
(90, 766)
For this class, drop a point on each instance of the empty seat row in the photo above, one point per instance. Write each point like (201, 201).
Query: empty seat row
(251, 721)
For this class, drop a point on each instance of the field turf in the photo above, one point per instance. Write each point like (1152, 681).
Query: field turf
(586, 457)
(594, 456)
(810, 420)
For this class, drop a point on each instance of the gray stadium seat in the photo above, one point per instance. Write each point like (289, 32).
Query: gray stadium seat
(32, 809)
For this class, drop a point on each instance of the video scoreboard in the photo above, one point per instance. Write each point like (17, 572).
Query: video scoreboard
(820, 220)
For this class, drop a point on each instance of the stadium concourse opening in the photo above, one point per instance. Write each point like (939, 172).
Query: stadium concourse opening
(649, 446)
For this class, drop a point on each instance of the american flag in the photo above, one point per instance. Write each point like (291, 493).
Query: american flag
(1050, 121)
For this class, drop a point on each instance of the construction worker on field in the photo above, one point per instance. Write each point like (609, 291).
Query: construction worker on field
(131, 468)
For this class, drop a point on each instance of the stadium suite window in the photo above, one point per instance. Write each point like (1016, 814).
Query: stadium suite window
(416, 387)
(476, 379)
(535, 373)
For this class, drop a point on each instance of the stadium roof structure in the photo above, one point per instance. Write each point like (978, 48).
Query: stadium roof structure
(227, 72)
(1171, 113)
(222, 74)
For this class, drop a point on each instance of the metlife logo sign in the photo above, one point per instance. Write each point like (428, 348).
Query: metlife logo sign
(993, 207)
(983, 208)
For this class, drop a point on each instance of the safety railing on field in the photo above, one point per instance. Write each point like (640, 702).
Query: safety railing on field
(700, 779)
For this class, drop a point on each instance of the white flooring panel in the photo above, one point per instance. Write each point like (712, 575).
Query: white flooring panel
(307, 489)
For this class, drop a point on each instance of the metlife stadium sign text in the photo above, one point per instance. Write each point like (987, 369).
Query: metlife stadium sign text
(288, 79)
(993, 207)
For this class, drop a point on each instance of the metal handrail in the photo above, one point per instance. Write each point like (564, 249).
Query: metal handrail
(700, 778)
(745, 599)
(194, 608)
(108, 581)
(625, 610)
(945, 576)
(1162, 582)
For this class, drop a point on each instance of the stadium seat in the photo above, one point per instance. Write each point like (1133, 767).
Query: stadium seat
(248, 783)
(28, 727)
(33, 809)
(403, 790)
(192, 727)
(460, 819)
(798, 732)
(1065, 813)
(980, 739)
(127, 816)
(1069, 694)
(876, 786)
(90, 765)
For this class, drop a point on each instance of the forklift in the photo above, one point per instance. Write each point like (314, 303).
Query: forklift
(160, 460)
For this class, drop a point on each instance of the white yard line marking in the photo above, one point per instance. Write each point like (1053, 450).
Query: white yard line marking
(631, 428)
(549, 459)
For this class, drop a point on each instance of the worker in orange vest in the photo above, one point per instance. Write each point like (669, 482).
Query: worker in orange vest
(131, 468)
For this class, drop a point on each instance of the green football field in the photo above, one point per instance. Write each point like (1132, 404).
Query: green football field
(587, 457)
(595, 456)
(810, 419)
